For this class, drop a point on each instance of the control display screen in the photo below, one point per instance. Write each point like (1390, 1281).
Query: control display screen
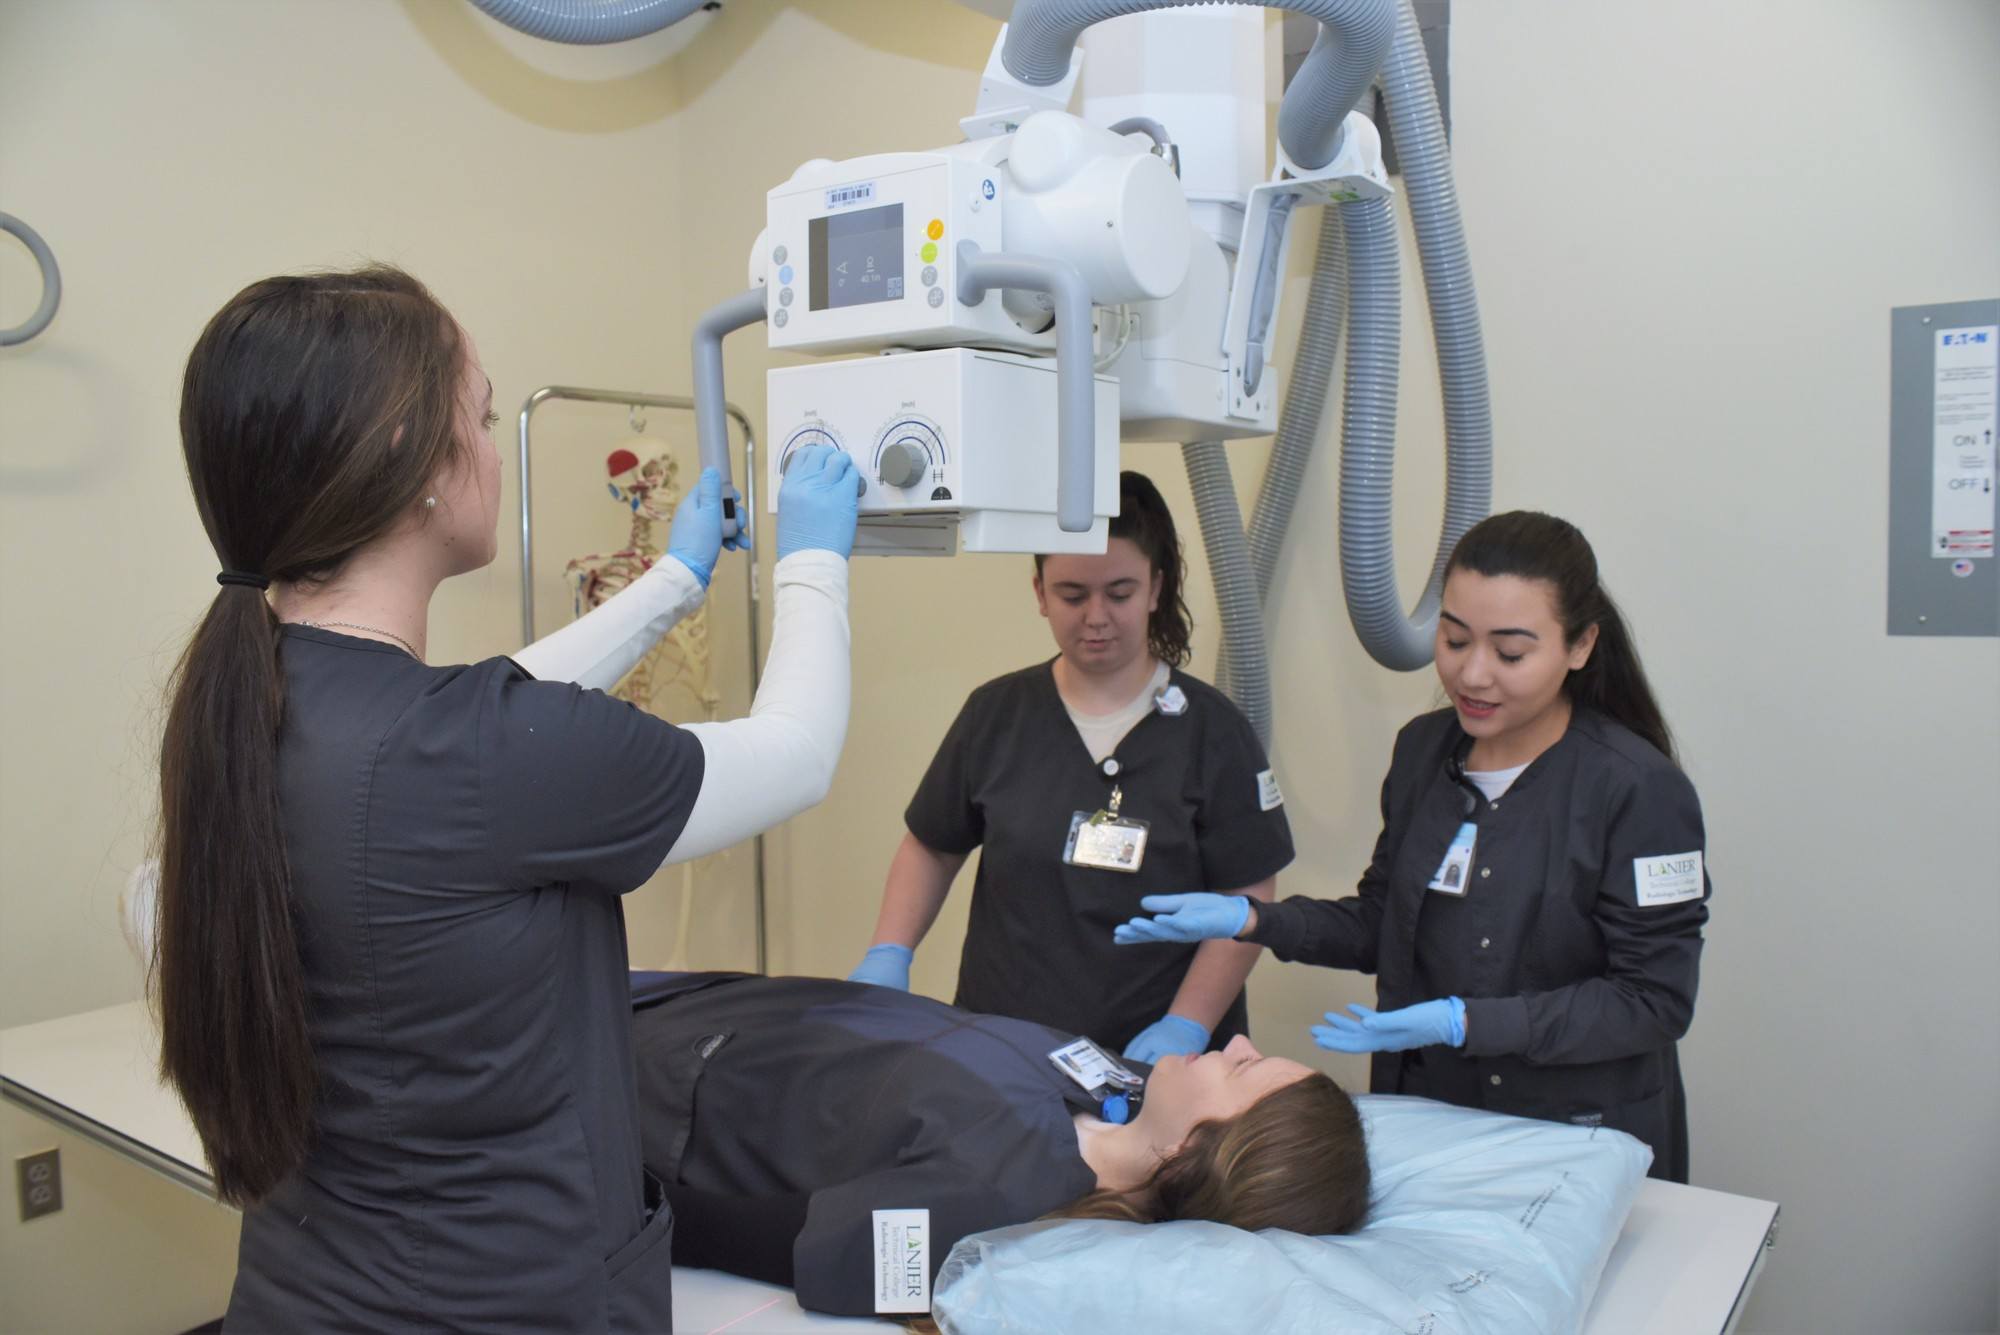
(857, 258)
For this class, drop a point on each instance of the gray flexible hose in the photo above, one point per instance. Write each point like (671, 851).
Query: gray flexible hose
(1368, 445)
(588, 22)
(1354, 38)
(45, 310)
(711, 399)
(1368, 438)
(1249, 682)
(1076, 372)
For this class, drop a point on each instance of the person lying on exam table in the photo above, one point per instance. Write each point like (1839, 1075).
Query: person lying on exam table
(803, 1125)
(1534, 909)
(390, 962)
(1087, 783)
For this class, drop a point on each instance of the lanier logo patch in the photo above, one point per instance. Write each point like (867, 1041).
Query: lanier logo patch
(1268, 795)
(902, 1260)
(1669, 878)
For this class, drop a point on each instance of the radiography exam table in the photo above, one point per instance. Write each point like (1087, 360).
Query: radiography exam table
(1684, 1264)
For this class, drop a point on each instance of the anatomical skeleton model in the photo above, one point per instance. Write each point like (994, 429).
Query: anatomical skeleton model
(650, 490)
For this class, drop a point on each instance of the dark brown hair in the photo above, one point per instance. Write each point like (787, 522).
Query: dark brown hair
(315, 412)
(1144, 520)
(1531, 545)
(1297, 1159)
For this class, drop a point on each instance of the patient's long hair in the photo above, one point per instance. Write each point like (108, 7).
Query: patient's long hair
(1297, 1159)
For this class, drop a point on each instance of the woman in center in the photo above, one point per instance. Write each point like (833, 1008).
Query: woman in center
(1089, 782)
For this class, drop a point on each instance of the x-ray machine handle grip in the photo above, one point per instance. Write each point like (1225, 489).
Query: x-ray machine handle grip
(1076, 375)
(711, 403)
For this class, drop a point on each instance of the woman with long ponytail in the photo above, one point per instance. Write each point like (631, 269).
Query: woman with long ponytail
(1533, 912)
(389, 961)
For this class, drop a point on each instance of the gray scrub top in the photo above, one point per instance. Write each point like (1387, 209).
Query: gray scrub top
(1009, 778)
(459, 837)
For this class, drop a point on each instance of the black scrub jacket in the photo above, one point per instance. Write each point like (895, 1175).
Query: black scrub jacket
(1008, 778)
(1573, 947)
(783, 1112)
(458, 838)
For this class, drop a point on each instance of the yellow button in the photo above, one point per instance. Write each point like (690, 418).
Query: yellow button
(929, 252)
(936, 230)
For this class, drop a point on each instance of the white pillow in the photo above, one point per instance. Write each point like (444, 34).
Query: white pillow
(1480, 1224)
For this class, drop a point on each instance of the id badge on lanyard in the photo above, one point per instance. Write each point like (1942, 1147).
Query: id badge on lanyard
(1457, 865)
(1106, 840)
(1116, 1088)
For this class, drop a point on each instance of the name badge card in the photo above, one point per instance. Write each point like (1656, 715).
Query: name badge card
(1093, 1068)
(1457, 865)
(1106, 842)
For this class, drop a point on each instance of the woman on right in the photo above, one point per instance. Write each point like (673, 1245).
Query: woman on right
(1534, 909)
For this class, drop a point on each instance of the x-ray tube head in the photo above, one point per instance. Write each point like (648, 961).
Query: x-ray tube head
(1100, 202)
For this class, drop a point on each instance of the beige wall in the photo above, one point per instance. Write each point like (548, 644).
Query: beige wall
(1688, 223)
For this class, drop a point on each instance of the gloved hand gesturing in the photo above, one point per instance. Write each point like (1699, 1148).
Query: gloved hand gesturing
(1194, 917)
(819, 502)
(886, 965)
(1421, 1026)
(696, 537)
(1168, 1036)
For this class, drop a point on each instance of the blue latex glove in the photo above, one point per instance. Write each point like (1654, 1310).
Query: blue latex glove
(696, 537)
(819, 502)
(1420, 1026)
(885, 966)
(1168, 1036)
(1196, 917)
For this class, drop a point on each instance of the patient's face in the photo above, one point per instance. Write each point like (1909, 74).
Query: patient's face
(1213, 1087)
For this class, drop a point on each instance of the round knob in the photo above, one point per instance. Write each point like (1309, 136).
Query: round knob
(903, 465)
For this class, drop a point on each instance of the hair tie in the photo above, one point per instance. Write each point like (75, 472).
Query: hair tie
(245, 578)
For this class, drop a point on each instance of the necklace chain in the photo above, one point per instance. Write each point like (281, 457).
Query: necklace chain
(372, 630)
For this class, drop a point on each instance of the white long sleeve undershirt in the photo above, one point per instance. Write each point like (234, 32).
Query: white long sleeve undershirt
(608, 641)
(760, 770)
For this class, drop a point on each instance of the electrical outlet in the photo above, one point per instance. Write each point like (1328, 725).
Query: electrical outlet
(38, 1179)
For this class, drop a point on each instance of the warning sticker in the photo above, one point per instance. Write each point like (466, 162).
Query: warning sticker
(1965, 411)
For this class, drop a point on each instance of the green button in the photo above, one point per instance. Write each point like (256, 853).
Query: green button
(929, 252)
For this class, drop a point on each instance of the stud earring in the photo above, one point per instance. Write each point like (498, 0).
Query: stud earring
(430, 502)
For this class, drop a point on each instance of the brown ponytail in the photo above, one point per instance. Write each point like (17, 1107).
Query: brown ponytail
(314, 412)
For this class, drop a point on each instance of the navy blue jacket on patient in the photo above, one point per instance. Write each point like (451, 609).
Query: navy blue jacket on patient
(783, 1112)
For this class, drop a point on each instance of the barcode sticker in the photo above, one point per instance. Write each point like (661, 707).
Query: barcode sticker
(843, 195)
